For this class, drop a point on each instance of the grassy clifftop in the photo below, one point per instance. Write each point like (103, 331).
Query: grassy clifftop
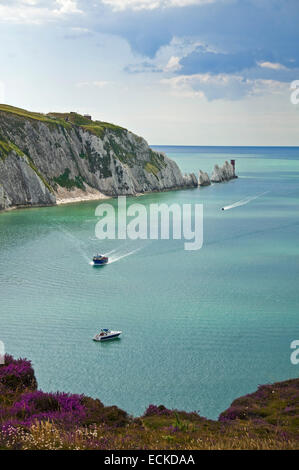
(95, 127)
(64, 119)
(32, 419)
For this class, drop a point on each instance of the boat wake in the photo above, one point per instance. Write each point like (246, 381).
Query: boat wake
(118, 257)
(243, 202)
(117, 253)
(77, 244)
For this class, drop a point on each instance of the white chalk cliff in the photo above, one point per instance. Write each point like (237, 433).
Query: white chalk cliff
(44, 155)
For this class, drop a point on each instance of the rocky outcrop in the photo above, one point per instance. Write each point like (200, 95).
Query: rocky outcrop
(190, 180)
(40, 154)
(4, 201)
(203, 179)
(224, 173)
(21, 185)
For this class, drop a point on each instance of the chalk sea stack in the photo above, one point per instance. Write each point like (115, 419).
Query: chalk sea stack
(224, 173)
(203, 179)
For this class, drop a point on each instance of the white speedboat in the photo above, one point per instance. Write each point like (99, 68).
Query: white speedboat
(106, 334)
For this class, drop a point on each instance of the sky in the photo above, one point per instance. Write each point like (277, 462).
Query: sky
(177, 72)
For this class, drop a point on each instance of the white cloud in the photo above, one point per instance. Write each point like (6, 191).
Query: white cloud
(67, 6)
(173, 64)
(221, 86)
(261, 86)
(272, 65)
(30, 2)
(35, 12)
(96, 83)
(152, 4)
(79, 30)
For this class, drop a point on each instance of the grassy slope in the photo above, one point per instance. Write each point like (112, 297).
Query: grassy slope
(31, 115)
(65, 119)
(266, 419)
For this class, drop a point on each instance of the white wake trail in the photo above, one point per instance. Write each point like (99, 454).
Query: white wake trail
(242, 202)
(117, 258)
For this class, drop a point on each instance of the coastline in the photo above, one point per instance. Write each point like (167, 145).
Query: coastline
(64, 196)
(82, 196)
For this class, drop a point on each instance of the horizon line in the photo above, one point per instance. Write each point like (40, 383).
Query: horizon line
(235, 146)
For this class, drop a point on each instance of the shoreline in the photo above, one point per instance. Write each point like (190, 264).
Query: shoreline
(65, 196)
(98, 196)
(75, 200)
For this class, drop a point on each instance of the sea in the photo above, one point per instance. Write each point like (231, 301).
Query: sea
(200, 327)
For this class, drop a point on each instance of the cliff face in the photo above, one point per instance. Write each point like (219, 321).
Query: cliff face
(40, 155)
(21, 184)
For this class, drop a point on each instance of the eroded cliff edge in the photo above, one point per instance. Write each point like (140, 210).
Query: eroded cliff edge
(43, 157)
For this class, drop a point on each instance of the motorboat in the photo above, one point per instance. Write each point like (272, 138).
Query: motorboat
(106, 334)
(99, 260)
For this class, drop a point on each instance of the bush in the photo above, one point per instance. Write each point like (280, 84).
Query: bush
(154, 410)
(17, 374)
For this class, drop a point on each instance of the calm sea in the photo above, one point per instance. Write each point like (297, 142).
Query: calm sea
(200, 327)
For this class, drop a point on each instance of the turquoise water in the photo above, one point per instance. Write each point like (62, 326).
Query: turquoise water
(200, 327)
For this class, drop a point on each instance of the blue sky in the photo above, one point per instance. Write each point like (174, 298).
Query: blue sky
(189, 72)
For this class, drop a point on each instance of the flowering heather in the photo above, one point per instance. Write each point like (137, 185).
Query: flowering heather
(275, 404)
(54, 407)
(154, 410)
(17, 374)
(33, 419)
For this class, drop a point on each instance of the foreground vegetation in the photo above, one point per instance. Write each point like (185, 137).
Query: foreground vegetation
(32, 419)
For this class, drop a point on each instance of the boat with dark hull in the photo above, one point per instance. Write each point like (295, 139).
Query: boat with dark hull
(99, 260)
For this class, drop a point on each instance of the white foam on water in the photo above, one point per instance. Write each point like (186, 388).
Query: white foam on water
(113, 259)
(242, 202)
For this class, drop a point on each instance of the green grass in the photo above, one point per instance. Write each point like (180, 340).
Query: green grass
(155, 164)
(150, 168)
(66, 120)
(33, 116)
(6, 147)
(97, 128)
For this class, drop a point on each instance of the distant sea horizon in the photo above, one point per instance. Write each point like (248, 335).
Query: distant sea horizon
(226, 146)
